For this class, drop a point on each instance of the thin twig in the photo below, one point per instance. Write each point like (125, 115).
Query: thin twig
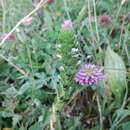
(39, 5)
(15, 66)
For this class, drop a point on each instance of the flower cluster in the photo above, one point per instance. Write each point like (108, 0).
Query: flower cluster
(67, 24)
(89, 74)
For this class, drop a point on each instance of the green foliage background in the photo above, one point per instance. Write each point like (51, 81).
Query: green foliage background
(48, 98)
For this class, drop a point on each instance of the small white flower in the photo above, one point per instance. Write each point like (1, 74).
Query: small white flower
(79, 62)
(40, 118)
(61, 68)
(76, 55)
(123, 1)
(33, 51)
(58, 56)
(17, 30)
(59, 77)
(74, 50)
(58, 45)
(88, 57)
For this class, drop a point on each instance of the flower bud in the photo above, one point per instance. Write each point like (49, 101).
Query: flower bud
(67, 24)
(11, 37)
(57, 56)
(105, 20)
(27, 21)
(61, 68)
(50, 1)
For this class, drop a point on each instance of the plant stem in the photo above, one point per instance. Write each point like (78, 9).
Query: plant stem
(117, 15)
(95, 17)
(2, 2)
(66, 9)
(100, 112)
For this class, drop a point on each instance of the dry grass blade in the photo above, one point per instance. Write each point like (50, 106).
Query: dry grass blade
(15, 66)
(39, 5)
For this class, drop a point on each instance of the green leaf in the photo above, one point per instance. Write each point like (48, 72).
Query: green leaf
(11, 92)
(16, 119)
(124, 113)
(36, 126)
(24, 88)
(126, 126)
(82, 14)
(5, 114)
(96, 128)
(116, 73)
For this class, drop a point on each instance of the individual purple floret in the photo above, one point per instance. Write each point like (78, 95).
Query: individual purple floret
(67, 24)
(90, 74)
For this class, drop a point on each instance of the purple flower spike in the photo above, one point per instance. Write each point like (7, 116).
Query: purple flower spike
(67, 24)
(89, 74)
